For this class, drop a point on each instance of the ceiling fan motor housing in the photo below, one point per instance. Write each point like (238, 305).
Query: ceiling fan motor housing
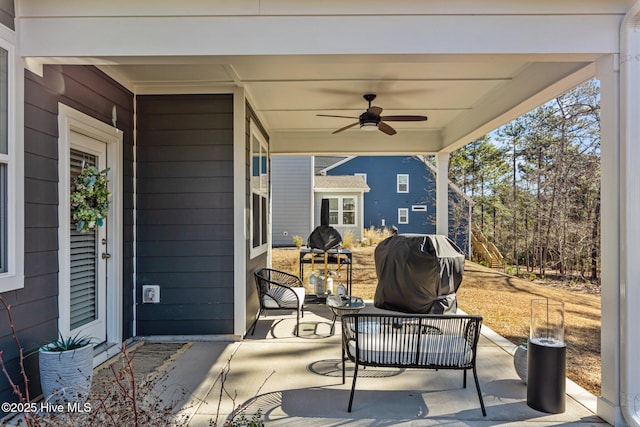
(369, 119)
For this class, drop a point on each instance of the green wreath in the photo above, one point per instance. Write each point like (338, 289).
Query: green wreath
(90, 199)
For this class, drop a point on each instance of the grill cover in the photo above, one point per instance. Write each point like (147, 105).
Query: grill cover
(418, 273)
(324, 237)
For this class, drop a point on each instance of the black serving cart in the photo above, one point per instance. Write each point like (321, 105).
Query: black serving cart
(338, 259)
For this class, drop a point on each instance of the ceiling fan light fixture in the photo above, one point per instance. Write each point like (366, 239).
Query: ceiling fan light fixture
(369, 126)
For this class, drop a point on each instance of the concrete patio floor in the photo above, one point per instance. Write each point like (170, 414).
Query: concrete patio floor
(298, 381)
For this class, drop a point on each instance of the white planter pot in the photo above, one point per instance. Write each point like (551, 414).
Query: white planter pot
(520, 362)
(65, 376)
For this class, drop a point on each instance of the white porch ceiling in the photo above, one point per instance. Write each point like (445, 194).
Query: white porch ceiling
(455, 92)
(469, 66)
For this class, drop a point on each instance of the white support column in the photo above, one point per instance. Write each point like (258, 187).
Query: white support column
(608, 75)
(630, 215)
(240, 223)
(442, 194)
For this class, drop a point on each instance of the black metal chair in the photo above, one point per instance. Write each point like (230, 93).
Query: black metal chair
(278, 290)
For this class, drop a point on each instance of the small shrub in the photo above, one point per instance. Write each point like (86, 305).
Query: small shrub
(348, 238)
(373, 235)
(298, 241)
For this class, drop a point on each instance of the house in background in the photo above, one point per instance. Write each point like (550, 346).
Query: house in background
(364, 192)
(297, 194)
(346, 202)
(403, 194)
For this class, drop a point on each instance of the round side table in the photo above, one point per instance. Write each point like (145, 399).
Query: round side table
(341, 305)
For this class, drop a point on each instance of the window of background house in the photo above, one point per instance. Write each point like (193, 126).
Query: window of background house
(342, 211)
(403, 183)
(403, 215)
(348, 211)
(259, 192)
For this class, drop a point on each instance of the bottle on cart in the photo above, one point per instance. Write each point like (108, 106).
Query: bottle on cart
(316, 284)
(330, 285)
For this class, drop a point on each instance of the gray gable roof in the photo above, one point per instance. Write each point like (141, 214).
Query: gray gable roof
(321, 163)
(340, 182)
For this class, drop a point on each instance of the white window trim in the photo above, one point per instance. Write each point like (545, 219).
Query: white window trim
(406, 215)
(341, 211)
(398, 176)
(363, 175)
(14, 277)
(419, 208)
(254, 132)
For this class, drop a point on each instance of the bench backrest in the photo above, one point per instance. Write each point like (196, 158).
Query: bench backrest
(421, 340)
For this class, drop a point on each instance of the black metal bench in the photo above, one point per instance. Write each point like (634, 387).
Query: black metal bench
(423, 341)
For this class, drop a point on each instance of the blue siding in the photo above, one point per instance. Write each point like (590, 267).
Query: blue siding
(383, 200)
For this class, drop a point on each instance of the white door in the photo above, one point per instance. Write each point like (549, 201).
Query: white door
(89, 255)
(90, 278)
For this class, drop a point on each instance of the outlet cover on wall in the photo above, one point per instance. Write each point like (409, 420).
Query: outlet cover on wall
(150, 294)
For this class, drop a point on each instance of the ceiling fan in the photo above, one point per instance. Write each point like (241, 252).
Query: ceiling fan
(371, 119)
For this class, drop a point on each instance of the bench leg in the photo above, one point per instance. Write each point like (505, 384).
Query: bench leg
(475, 377)
(464, 378)
(252, 328)
(353, 386)
(344, 362)
(333, 324)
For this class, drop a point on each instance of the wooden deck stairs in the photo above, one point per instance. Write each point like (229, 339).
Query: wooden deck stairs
(484, 250)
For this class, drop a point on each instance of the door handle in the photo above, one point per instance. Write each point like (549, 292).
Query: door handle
(106, 255)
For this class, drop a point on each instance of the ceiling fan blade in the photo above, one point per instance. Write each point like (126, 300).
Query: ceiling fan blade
(340, 117)
(404, 118)
(386, 128)
(375, 110)
(346, 127)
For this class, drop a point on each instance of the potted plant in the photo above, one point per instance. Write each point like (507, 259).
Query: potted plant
(66, 368)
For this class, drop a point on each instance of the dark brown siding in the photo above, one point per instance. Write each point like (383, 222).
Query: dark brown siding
(259, 261)
(7, 14)
(35, 307)
(185, 213)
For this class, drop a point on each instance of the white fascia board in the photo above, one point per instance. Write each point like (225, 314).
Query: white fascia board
(110, 36)
(35, 8)
(532, 88)
(341, 162)
(354, 142)
(339, 190)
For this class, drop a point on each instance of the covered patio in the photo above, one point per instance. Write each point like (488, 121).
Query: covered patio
(298, 381)
(277, 64)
